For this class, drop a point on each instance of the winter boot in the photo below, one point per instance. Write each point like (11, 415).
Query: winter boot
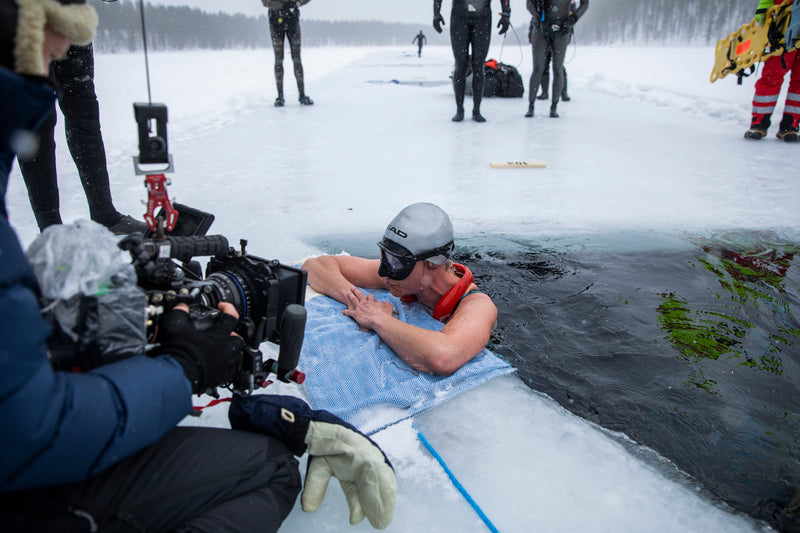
(459, 116)
(790, 136)
(305, 100)
(530, 110)
(759, 125)
(476, 116)
(127, 225)
(755, 134)
(788, 129)
(543, 96)
(279, 101)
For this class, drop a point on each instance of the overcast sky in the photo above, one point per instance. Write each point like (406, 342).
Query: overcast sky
(413, 11)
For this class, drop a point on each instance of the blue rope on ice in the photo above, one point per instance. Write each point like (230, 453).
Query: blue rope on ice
(458, 484)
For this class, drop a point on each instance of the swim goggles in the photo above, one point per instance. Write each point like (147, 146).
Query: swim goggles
(397, 262)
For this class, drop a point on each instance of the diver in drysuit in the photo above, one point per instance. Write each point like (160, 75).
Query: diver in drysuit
(552, 25)
(470, 25)
(284, 23)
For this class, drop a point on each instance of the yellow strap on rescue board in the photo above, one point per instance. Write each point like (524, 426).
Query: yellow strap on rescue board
(518, 164)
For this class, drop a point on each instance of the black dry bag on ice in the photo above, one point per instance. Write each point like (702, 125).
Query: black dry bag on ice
(500, 80)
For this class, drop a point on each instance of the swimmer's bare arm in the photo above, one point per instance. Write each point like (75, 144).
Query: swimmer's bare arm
(337, 275)
(435, 352)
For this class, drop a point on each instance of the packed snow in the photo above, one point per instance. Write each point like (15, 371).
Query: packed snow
(647, 144)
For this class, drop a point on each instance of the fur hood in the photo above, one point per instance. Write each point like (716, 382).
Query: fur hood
(71, 18)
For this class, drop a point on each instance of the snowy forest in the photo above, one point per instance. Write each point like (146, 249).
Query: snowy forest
(186, 28)
(654, 22)
(672, 22)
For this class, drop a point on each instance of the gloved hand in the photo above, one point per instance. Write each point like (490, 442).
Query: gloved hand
(571, 20)
(210, 357)
(335, 448)
(438, 22)
(504, 22)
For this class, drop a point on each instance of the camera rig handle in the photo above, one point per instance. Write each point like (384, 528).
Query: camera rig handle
(292, 331)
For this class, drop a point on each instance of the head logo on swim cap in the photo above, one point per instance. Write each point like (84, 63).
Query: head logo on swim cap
(420, 228)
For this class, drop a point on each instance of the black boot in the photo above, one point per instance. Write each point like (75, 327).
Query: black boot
(279, 101)
(476, 115)
(788, 130)
(545, 83)
(459, 116)
(530, 110)
(564, 96)
(755, 134)
(305, 100)
(759, 125)
(553, 106)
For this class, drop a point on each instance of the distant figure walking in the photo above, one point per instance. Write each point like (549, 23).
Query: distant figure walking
(419, 39)
(470, 27)
(284, 23)
(552, 24)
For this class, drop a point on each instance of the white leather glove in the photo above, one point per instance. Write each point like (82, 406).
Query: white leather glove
(366, 478)
(335, 449)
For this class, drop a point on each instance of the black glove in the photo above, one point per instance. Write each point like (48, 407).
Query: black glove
(438, 22)
(571, 20)
(504, 22)
(209, 358)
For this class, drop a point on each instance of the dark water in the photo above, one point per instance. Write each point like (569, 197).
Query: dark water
(689, 345)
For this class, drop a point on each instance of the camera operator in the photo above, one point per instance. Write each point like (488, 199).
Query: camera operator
(100, 450)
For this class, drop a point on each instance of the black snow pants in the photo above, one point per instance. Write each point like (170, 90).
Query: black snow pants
(193, 480)
(74, 80)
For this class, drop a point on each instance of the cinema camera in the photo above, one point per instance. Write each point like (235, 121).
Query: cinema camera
(268, 295)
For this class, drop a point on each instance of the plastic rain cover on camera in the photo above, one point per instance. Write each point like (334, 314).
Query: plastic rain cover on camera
(89, 295)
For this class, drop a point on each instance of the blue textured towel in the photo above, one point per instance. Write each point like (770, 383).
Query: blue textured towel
(355, 375)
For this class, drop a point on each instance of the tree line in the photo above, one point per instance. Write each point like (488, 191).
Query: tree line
(667, 22)
(183, 28)
(650, 22)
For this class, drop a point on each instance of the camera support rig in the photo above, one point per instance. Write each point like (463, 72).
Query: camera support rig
(268, 295)
(154, 150)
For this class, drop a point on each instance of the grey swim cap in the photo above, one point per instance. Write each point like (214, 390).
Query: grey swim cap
(422, 228)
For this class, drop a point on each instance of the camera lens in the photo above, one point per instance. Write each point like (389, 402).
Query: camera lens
(231, 287)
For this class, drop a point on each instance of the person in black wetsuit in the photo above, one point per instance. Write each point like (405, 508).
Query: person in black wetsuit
(470, 25)
(552, 24)
(419, 39)
(284, 23)
(545, 95)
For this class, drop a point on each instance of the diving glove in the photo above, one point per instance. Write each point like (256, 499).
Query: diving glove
(335, 449)
(438, 22)
(504, 22)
